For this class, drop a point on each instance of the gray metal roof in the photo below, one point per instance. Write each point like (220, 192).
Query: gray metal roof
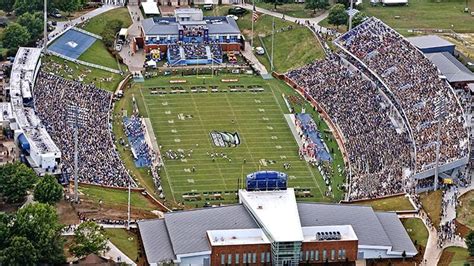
(187, 229)
(429, 41)
(396, 232)
(450, 67)
(156, 240)
(151, 26)
(367, 227)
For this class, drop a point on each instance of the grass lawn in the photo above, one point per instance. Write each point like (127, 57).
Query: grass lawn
(97, 24)
(400, 203)
(427, 14)
(111, 197)
(431, 202)
(465, 213)
(258, 118)
(99, 55)
(293, 48)
(70, 70)
(416, 230)
(124, 240)
(453, 256)
(296, 10)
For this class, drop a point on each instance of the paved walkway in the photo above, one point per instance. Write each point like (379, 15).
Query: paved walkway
(134, 61)
(249, 55)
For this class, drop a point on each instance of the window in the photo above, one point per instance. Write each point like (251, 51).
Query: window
(311, 255)
(325, 255)
(222, 259)
(254, 258)
(316, 255)
(245, 258)
(306, 255)
(237, 261)
(229, 259)
(262, 257)
(343, 255)
(268, 257)
(333, 254)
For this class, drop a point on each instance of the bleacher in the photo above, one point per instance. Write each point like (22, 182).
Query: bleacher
(194, 54)
(136, 137)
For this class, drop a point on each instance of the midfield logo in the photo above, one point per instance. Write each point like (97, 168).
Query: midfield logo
(225, 139)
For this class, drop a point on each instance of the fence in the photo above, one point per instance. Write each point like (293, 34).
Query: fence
(85, 63)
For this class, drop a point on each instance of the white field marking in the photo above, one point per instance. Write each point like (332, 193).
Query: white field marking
(177, 140)
(261, 110)
(278, 147)
(274, 137)
(187, 170)
(171, 121)
(265, 118)
(164, 103)
(190, 180)
(270, 127)
(168, 112)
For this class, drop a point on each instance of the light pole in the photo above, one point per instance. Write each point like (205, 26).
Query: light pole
(440, 114)
(45, 26)
(350, 14)
(75, 118)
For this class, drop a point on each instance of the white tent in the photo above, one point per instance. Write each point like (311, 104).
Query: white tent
(151, 63)
(150, 8)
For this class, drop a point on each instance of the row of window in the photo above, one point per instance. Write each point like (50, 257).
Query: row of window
(246, 258)
(314, 255)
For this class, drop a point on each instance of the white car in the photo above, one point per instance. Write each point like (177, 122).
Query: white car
(118, 47)
(233, 17)
(259, 50)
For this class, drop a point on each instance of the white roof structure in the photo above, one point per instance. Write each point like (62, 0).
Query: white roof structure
(150, 8)
(237, 237)
(276, 212)
(346, 232)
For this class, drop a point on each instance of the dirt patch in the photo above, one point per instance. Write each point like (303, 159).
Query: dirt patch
(93, 210)
(67, 213)
(461, 228)
(446, 258)
(9, 207)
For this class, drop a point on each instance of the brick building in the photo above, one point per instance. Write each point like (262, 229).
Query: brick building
(271, 228)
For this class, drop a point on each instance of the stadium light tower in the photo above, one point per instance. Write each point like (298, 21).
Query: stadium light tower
(440, 114)
(350, 14)
(75, 117)
(45, 26)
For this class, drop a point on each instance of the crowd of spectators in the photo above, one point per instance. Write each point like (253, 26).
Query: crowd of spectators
(415, 84)
(99, 162)
(378, 154)
(135, 131)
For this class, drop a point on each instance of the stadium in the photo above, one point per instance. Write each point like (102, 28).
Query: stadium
(329, 161)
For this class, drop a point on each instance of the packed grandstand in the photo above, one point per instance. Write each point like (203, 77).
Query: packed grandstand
(382, 154)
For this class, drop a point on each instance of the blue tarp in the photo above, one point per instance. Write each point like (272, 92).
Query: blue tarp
(72, 43)
(24, 144)
(136, 138)
(314, 135)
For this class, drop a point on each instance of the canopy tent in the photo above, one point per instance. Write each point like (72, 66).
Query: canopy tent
(151, 63)
(150, 8)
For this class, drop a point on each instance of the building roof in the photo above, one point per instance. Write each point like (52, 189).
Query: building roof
(191, 238)
(267, 208)
(186, 232)
(169, 26)
(429, 41)
(150, 8)
(237, 237)
(156, 240)
(450, 67)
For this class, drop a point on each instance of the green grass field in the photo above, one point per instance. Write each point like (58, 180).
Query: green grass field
(465, 210)
(126, 241)
(427, 14)
(400, 203)
(97, 24)
(258, 119)
(454, 256)
(416, 230)
(431, 203)
(296, 10)
(103, 79)
(99, 55)
(116, 197)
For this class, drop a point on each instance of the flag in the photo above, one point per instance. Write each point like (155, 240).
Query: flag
(254, 13)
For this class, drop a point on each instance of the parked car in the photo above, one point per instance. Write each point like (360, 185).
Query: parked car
(237, 11)
(233, 17)
(208, 7)
(55, 13)
(118, 47)
(259, 50)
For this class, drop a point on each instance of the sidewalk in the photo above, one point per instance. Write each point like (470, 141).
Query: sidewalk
(248, 53)
(134, 61)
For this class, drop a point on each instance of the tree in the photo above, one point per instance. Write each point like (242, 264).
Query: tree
(33, 23)
(20, 252)
(17, 178)
(316, 4)
(358, 18)
(109, 32)
(470, 243)
(48, 190)
(337, 15)
(69, 6)
(88, 239)
(39, 223)
(7, 5)
(23, 6)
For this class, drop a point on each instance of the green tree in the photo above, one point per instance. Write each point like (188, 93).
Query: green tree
(358, 18)
(5, 226)
(316, 4)
(19, 252)
(337, 15)
(33, 23)
(109, 32)
(69, 6)
(17, 178)
(7, 5)
(39, 223)
(48, 190)
(31, 6)
(88, 239)
(470, 243)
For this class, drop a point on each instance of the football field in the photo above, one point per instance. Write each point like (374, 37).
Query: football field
(210, 140)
